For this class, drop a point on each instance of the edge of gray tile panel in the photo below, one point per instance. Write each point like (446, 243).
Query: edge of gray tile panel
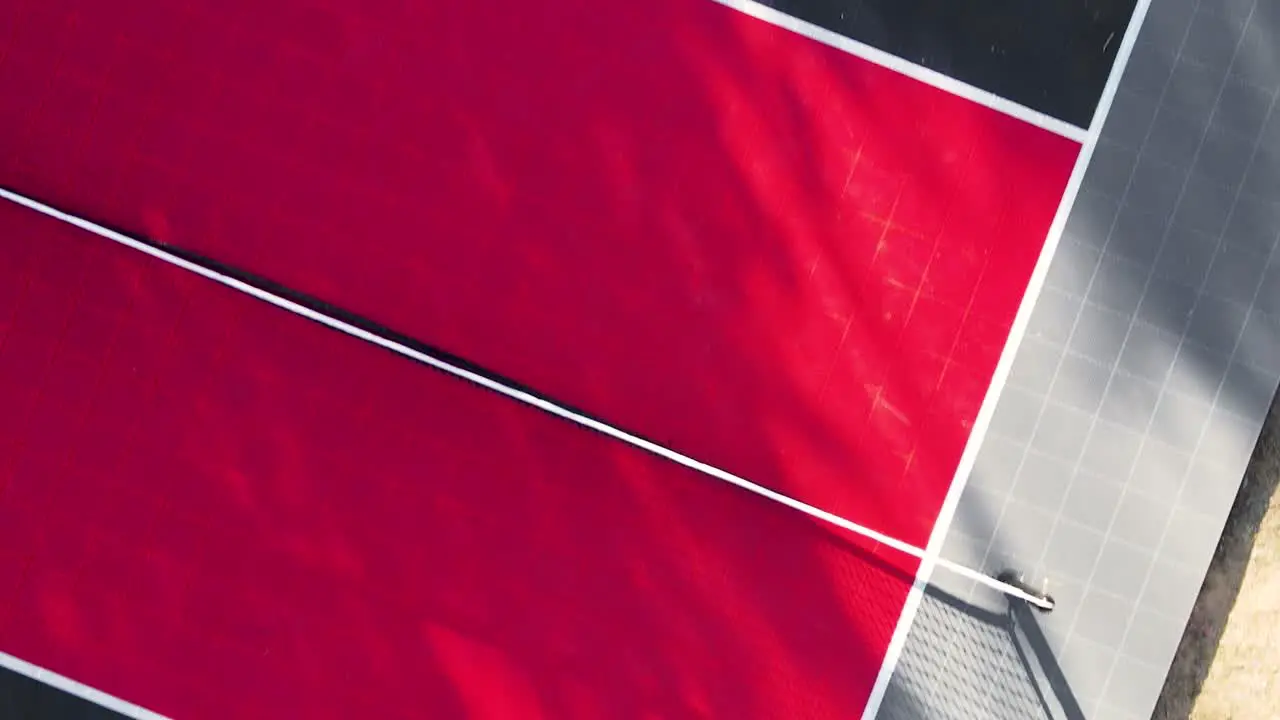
(1136, 398)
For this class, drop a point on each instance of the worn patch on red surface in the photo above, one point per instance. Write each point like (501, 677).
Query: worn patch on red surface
(215, 509)
(758, 250)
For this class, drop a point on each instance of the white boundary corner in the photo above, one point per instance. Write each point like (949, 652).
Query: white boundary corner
(912, 70)
(1001, 375)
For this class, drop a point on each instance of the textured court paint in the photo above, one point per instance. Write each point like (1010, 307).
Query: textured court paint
(360, 329)
(215, 509)
(758, 250)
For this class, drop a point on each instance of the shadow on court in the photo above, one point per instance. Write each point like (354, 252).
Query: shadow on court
(969, 661)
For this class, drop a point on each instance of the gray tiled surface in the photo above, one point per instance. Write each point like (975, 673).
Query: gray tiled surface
(970, 662)
(1136, 398)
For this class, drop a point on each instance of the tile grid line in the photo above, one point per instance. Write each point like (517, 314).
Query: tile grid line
(1163, 390)
(1076, 468)
(1187, 475)
(1165, 383)
(1129, 544)
(1004, 366)
(1116, 540)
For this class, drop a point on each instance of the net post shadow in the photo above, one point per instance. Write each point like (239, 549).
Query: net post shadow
(1018, 625)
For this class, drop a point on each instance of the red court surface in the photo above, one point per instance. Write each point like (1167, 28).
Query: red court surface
(215, 509)
(763, 252)
(760, 251)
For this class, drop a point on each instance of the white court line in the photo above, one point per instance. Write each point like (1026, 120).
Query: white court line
(516, 394)
(1001, 375)
(80, 690)
(929, 556)
(921, 73)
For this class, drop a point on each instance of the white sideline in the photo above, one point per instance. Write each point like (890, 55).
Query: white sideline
(920, 73)
(1003, 367)
(80, 690)
(516, 394)
(926, 556)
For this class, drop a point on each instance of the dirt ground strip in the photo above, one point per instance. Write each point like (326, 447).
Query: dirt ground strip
(1228, 663)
